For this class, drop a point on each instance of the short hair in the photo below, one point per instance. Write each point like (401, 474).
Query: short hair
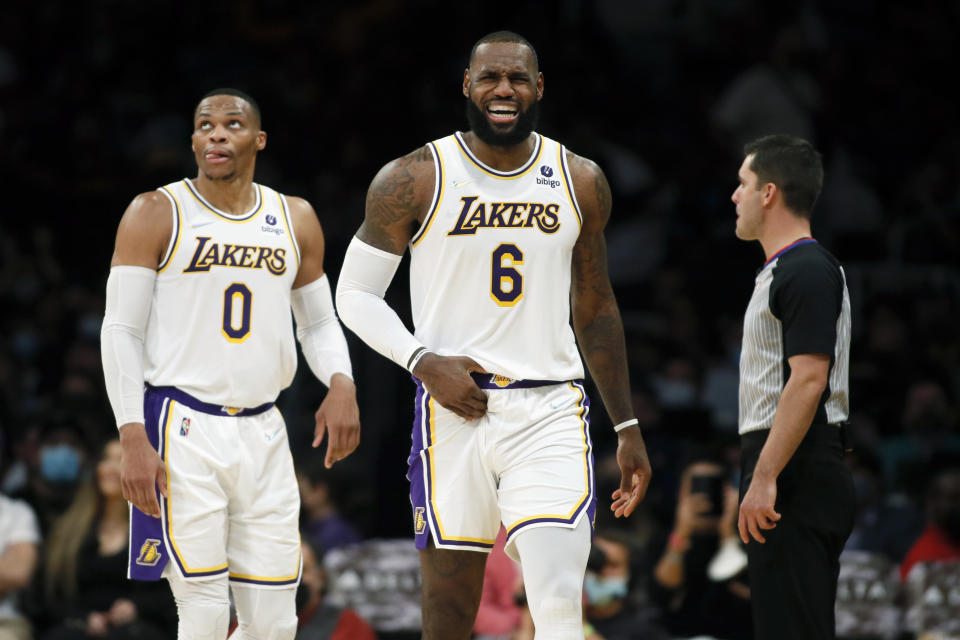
(505, 36)
(229, 91)
(793, 165)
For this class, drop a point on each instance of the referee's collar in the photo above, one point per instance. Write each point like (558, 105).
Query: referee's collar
(792, 245)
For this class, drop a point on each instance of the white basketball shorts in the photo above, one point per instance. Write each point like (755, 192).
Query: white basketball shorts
(527, 463)
(234, 503)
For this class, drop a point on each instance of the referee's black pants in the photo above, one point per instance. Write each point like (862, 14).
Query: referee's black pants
(793, 576)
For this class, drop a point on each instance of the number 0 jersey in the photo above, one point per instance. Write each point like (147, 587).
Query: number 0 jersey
(220, 325)
(491, 265)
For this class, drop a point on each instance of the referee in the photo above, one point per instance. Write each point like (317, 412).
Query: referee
(797, 496)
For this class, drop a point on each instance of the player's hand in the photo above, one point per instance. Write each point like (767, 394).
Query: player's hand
(338, 417)
(635, 472)
(756, 510)
(141, 470)
(447, 379)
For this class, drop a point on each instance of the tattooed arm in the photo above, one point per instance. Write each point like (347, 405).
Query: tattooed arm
(397, 203)
(596, 320)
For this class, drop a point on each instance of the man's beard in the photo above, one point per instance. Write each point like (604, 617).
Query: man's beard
(481, 127)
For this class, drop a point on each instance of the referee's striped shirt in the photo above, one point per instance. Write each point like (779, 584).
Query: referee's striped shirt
(800, 305)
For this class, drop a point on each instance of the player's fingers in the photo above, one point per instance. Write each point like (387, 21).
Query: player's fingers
(473, 366)
(319, 431)
(642, 488)
(626, 482)
(632, 501)
(742, 528)
(755, 530)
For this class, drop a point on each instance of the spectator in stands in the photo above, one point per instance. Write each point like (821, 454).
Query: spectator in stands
(319, 620)
(84, 592)
(695, 597)
(941, 539)
(320, 517)
(19, 542)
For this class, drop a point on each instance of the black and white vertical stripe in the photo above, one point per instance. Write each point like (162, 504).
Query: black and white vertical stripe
(800, 304)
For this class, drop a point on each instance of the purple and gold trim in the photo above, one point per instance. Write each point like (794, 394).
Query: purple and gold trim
(185, 570)
(437, 195)
(587, 505)
(293, 578)
(205, 407)
(496, 381)
(568, 182)
(288, 221)
(177, 224)
(257, 206)
(503, 175)
(422, 481)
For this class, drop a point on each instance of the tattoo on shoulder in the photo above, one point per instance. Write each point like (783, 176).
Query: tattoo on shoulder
(589, 177)
(392, 199)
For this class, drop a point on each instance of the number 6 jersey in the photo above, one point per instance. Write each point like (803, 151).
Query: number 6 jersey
(491, 264)
(220, 324)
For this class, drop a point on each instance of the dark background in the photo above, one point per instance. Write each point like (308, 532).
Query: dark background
(96, 100)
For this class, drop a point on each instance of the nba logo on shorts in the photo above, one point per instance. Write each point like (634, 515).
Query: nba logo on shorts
(185, 427)
(419, 524)
(149, 555)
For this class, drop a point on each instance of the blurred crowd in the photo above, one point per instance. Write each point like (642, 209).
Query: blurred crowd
(662, 95)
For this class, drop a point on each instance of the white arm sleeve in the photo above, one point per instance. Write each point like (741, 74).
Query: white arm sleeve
(321, 338)
(129, 295)
(364, 278)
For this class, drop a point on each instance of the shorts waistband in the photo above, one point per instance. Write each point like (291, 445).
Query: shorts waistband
(496, 381)
(188, 400)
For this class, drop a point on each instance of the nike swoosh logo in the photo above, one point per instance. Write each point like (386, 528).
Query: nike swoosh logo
(273, 435)
(460, 183)
(557, 405)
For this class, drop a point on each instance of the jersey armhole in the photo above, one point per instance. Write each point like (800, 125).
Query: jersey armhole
(568, 183)
(437, 195)
(286, 219)
(175, 236)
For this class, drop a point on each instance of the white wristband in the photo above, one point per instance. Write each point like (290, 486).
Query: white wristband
(626, 423)
(416, 358)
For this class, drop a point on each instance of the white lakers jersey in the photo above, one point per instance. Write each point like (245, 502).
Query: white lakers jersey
(220, 325)
(491, 265)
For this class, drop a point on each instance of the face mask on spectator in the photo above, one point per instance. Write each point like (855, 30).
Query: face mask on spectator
(60, 464)
(602, 590)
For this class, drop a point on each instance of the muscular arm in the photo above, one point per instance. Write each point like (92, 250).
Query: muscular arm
(795, 412)
(321, 339)
(596, 321)
(143, 236)
(309, 234)
(596, 317)
(144, 232)
(397, 203)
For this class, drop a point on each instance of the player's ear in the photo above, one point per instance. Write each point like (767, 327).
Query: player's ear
(539, 86)
(261, 140)
(466, 83)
